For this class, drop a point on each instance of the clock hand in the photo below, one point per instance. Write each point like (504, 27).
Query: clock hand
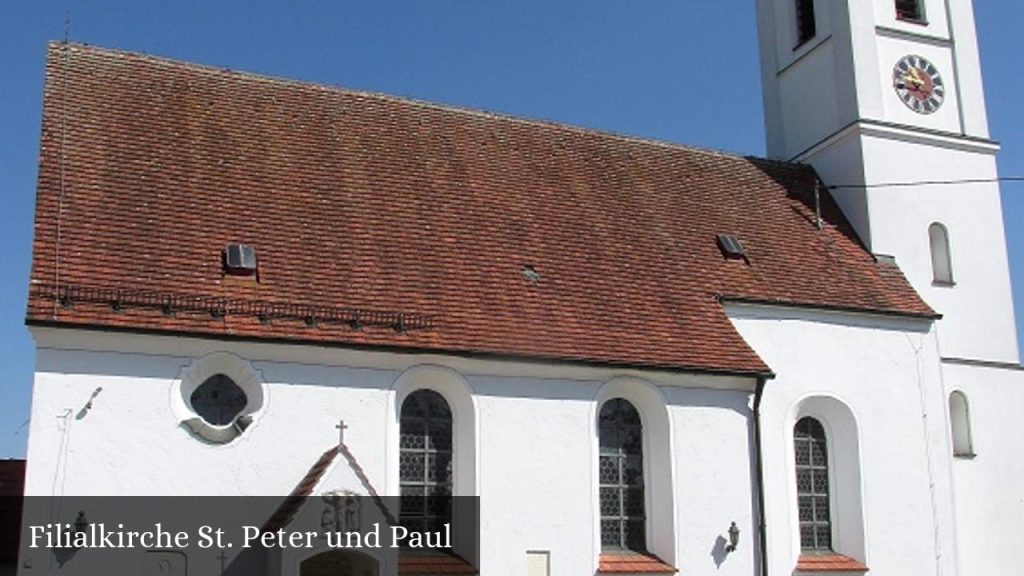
(914, 83)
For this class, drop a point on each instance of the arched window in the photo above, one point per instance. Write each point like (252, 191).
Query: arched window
(960, 422)
(942, 265)
(812, 485)
(425, 461)
(621, 477)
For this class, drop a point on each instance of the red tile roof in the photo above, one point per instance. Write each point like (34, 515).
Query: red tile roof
(285, 513)
(829, 563)
(400, 212)
(632, 563)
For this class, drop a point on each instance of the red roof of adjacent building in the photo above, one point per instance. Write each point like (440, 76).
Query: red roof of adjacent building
(829, 563)
(469, 232)
(12, 491)
(296, 499)
(632, 563)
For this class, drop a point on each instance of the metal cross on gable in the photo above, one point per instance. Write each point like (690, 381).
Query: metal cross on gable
(341, 427)
(222, 557)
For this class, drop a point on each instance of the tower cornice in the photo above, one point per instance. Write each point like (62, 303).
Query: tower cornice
(902, 132)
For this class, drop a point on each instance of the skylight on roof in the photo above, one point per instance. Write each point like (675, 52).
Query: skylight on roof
(240, 260)
(731, 247)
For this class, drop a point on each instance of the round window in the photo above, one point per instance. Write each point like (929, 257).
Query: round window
(218, 400)
(218, 397)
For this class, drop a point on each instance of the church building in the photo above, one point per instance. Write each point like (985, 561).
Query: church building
(641, 357)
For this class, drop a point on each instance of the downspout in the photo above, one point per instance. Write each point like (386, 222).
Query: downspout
(762, 525)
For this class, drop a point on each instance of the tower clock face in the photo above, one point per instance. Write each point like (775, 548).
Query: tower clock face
(918, 84)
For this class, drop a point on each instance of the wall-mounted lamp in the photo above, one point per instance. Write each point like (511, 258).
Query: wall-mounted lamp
(734, 538)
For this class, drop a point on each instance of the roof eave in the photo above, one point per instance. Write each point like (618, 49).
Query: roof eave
(406, 349)
(890, 312)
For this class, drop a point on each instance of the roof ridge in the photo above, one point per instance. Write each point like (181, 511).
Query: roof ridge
(451, 108)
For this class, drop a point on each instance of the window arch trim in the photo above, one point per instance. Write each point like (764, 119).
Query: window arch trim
(846, 491)
(457, 392)
(658, 462)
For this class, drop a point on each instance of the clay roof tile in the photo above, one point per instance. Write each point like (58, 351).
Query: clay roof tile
(386, 222)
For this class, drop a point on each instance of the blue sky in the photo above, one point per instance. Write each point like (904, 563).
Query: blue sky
(682, 71)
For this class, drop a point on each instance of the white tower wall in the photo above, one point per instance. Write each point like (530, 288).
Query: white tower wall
(831, 103)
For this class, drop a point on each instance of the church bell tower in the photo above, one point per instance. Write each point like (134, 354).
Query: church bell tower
(884, 99)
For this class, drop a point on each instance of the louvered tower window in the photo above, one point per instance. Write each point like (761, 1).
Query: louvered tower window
(910, 10)
(805, 25)
(621, 477)
(812, 489)
(425, 461)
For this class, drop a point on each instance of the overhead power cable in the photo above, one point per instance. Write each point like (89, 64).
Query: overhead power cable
(927, 183)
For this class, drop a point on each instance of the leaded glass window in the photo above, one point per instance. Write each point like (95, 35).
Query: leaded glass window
(812, 489)
(218, 400)
(621, 477)
(425, 461)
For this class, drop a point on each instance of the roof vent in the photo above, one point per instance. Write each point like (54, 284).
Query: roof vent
(240, 260)
(531, 274)
(731, 247)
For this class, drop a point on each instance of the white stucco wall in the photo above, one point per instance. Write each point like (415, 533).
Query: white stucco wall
(902, 504)
(978, 310)
(877, 379)
(808, 93)
(949, 26)
(530, 452)
(714, 480)
(989, 488)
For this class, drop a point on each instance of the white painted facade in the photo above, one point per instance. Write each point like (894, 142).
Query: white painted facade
(830, 102)
(525, 435)
(873, 384)
(525, 438)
